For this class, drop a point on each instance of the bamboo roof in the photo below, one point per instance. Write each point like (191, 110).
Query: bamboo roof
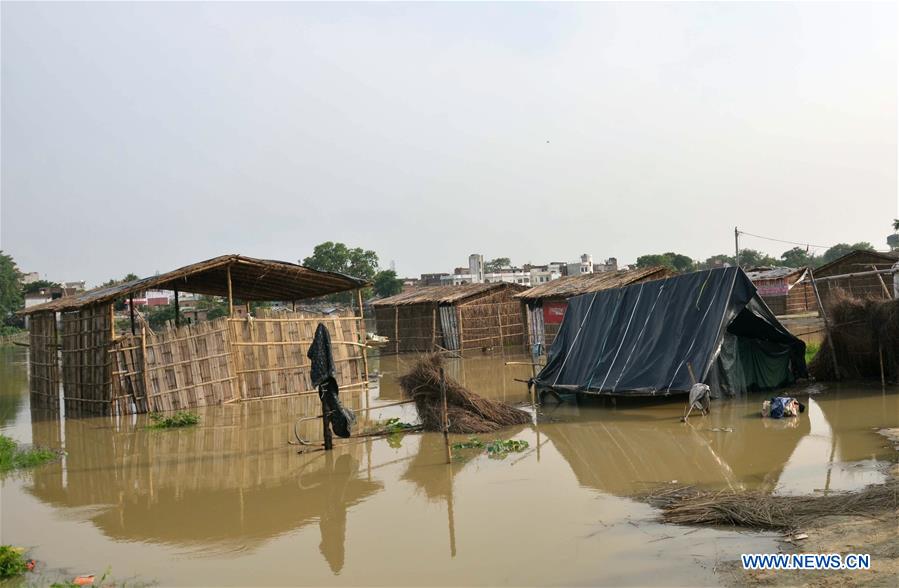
(443, 294)
(575, 285)
(251, 279)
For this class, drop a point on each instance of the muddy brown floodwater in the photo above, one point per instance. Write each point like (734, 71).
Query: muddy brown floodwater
(231, 503)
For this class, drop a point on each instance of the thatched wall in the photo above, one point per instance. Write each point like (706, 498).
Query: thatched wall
(863, 333)
(490, 318)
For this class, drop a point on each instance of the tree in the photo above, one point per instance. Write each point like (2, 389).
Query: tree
(11, 298)
(158, 316)
(797, 257)
(720, 260)
(387, 284)
(896, 224)
(496, 264)
(39, 285)
(337, 257)
(841, 249)
(673, 261)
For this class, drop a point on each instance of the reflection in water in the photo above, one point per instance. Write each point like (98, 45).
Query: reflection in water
(229, 502)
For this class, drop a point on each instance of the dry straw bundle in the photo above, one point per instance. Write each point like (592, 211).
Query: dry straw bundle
(467, 412)
(690, 506)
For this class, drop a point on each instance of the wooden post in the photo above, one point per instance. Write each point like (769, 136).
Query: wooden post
(326, 426)
(882, 283)
(364, 342)
(145, 377)
(434, 328)
(883, 380)
(449, 453)
(111, 320)
(230, 296)
(499, 322)
(131, 311)
(833, 353)
(177, 310)
(396, 329)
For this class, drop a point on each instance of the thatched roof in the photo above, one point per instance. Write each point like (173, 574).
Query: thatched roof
(880, 259)
(772, 273)
(443, 294)
(251, 279)
(576, 285)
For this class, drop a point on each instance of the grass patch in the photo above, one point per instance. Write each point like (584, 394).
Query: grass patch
(12, 562)
(177, 420)
(12, 457)
(497, 449)
(811, 350)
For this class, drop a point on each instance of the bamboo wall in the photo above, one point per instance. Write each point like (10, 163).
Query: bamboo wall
(44, 362)
(493, 320)
(86, 363)
(227, 360)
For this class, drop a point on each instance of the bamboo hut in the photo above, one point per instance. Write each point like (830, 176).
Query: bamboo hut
(785, 290)
(73, 342)
(456, 318)
(859, 274)
(543, 307)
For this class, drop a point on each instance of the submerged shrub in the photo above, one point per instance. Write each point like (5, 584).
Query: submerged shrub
(12, 457)
(12, 562)
(179, 419)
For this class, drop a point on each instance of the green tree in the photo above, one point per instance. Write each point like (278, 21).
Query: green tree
(841, 249)
(496, 264)
(11, 298)
(673, 261)
(797, 257)
(387, 284)
(39, 285)
(896, 224)
(158, 316)
(337, 257)
(714, 261)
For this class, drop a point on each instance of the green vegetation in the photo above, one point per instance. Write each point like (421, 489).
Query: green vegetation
(12, 562)
(811, 350)
(387, 284)
(496, 264)
(11, 298)
(39, 285)
(497, 449)
(355, 262)
(12, 457)
(179, 419)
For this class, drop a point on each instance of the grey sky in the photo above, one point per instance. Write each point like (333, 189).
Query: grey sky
(141, 137)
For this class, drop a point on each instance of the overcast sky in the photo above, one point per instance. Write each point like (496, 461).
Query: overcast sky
(142, 137)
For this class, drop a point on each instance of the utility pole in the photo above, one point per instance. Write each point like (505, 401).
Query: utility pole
(736, 247)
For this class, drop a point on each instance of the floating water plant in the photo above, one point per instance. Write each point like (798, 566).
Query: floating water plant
(179, 419)
(497, 448)
(12, 457)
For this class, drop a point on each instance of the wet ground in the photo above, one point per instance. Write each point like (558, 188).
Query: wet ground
(231, 503)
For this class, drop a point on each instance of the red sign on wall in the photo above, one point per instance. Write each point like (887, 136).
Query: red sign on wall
(554, 311)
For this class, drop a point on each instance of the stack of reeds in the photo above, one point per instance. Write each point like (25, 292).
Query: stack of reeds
(686, 505)
(466, 411)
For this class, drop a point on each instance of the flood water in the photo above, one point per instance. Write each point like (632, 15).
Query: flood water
(229, 502)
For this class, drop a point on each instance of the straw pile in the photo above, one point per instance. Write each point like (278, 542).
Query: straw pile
(467, 412)
(755, 510)
(862, 329)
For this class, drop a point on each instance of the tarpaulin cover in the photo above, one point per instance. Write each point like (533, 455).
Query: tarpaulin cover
(640, 339)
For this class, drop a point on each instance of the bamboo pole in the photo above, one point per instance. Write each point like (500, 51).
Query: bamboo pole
(363, 336)
(449, 454)
(883, 381)
(230, 295)
(396, 329)
(434, 327)
(884, 284)
(833, 353)
(177, 310)
(459, 331)
(131, 312)
(145, 377)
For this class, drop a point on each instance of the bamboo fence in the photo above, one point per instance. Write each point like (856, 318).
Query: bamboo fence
(87, 335)
(44, 362)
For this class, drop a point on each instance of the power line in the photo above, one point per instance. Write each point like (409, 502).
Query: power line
(787, 242)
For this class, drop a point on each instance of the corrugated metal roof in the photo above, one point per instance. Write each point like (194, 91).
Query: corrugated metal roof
(772, 273)
(575, 285)
(251, 279)
(442, 294)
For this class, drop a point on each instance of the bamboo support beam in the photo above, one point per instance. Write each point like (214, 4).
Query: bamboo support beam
(833, 353)
(230, 295)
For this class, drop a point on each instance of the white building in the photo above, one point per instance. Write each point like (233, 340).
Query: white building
(584, 267)
(30, 278)
(476, 268)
